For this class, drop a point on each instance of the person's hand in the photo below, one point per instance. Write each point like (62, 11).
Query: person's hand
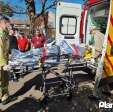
(6, 68)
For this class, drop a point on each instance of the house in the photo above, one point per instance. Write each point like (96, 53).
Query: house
(21, 25)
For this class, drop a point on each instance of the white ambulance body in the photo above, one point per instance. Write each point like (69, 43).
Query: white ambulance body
(68, 22)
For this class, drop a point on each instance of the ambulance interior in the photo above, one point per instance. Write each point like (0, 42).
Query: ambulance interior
(97, 18)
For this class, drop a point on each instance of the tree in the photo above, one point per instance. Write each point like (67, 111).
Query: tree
(5, 9)
(30, 6)
(44, 7)
(30, 10)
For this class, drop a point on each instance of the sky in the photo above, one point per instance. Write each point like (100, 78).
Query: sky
(21, 3)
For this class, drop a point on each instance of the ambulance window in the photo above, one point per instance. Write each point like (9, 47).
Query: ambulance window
(68, 25)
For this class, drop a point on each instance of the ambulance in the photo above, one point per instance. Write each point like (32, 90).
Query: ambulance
(99, 14)
(74, 25)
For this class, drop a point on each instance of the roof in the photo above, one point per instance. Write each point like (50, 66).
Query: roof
(20, 22)
(94, 2)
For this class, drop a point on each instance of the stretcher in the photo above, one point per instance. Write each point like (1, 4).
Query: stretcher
(22, 63)
(60, 79)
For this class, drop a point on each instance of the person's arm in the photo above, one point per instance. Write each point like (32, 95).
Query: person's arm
(45, 42)
(1, 44)
(27, 44)
(32, 42)
(18, 41)
(1, 36)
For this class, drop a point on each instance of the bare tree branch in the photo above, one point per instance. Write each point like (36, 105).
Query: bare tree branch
(50, 6)
(19, 12)
(45, 8)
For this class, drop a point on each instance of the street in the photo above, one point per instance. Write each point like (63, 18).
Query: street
(27, 90)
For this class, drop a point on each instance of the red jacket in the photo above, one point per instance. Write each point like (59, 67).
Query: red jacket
(38, 41)
(23, 44)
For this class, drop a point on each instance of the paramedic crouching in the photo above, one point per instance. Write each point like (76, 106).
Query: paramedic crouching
(4, 52)
(98, 46)
(98, 42)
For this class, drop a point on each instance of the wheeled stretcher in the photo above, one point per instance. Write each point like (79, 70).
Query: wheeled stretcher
(22, 63)
(60, 79)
